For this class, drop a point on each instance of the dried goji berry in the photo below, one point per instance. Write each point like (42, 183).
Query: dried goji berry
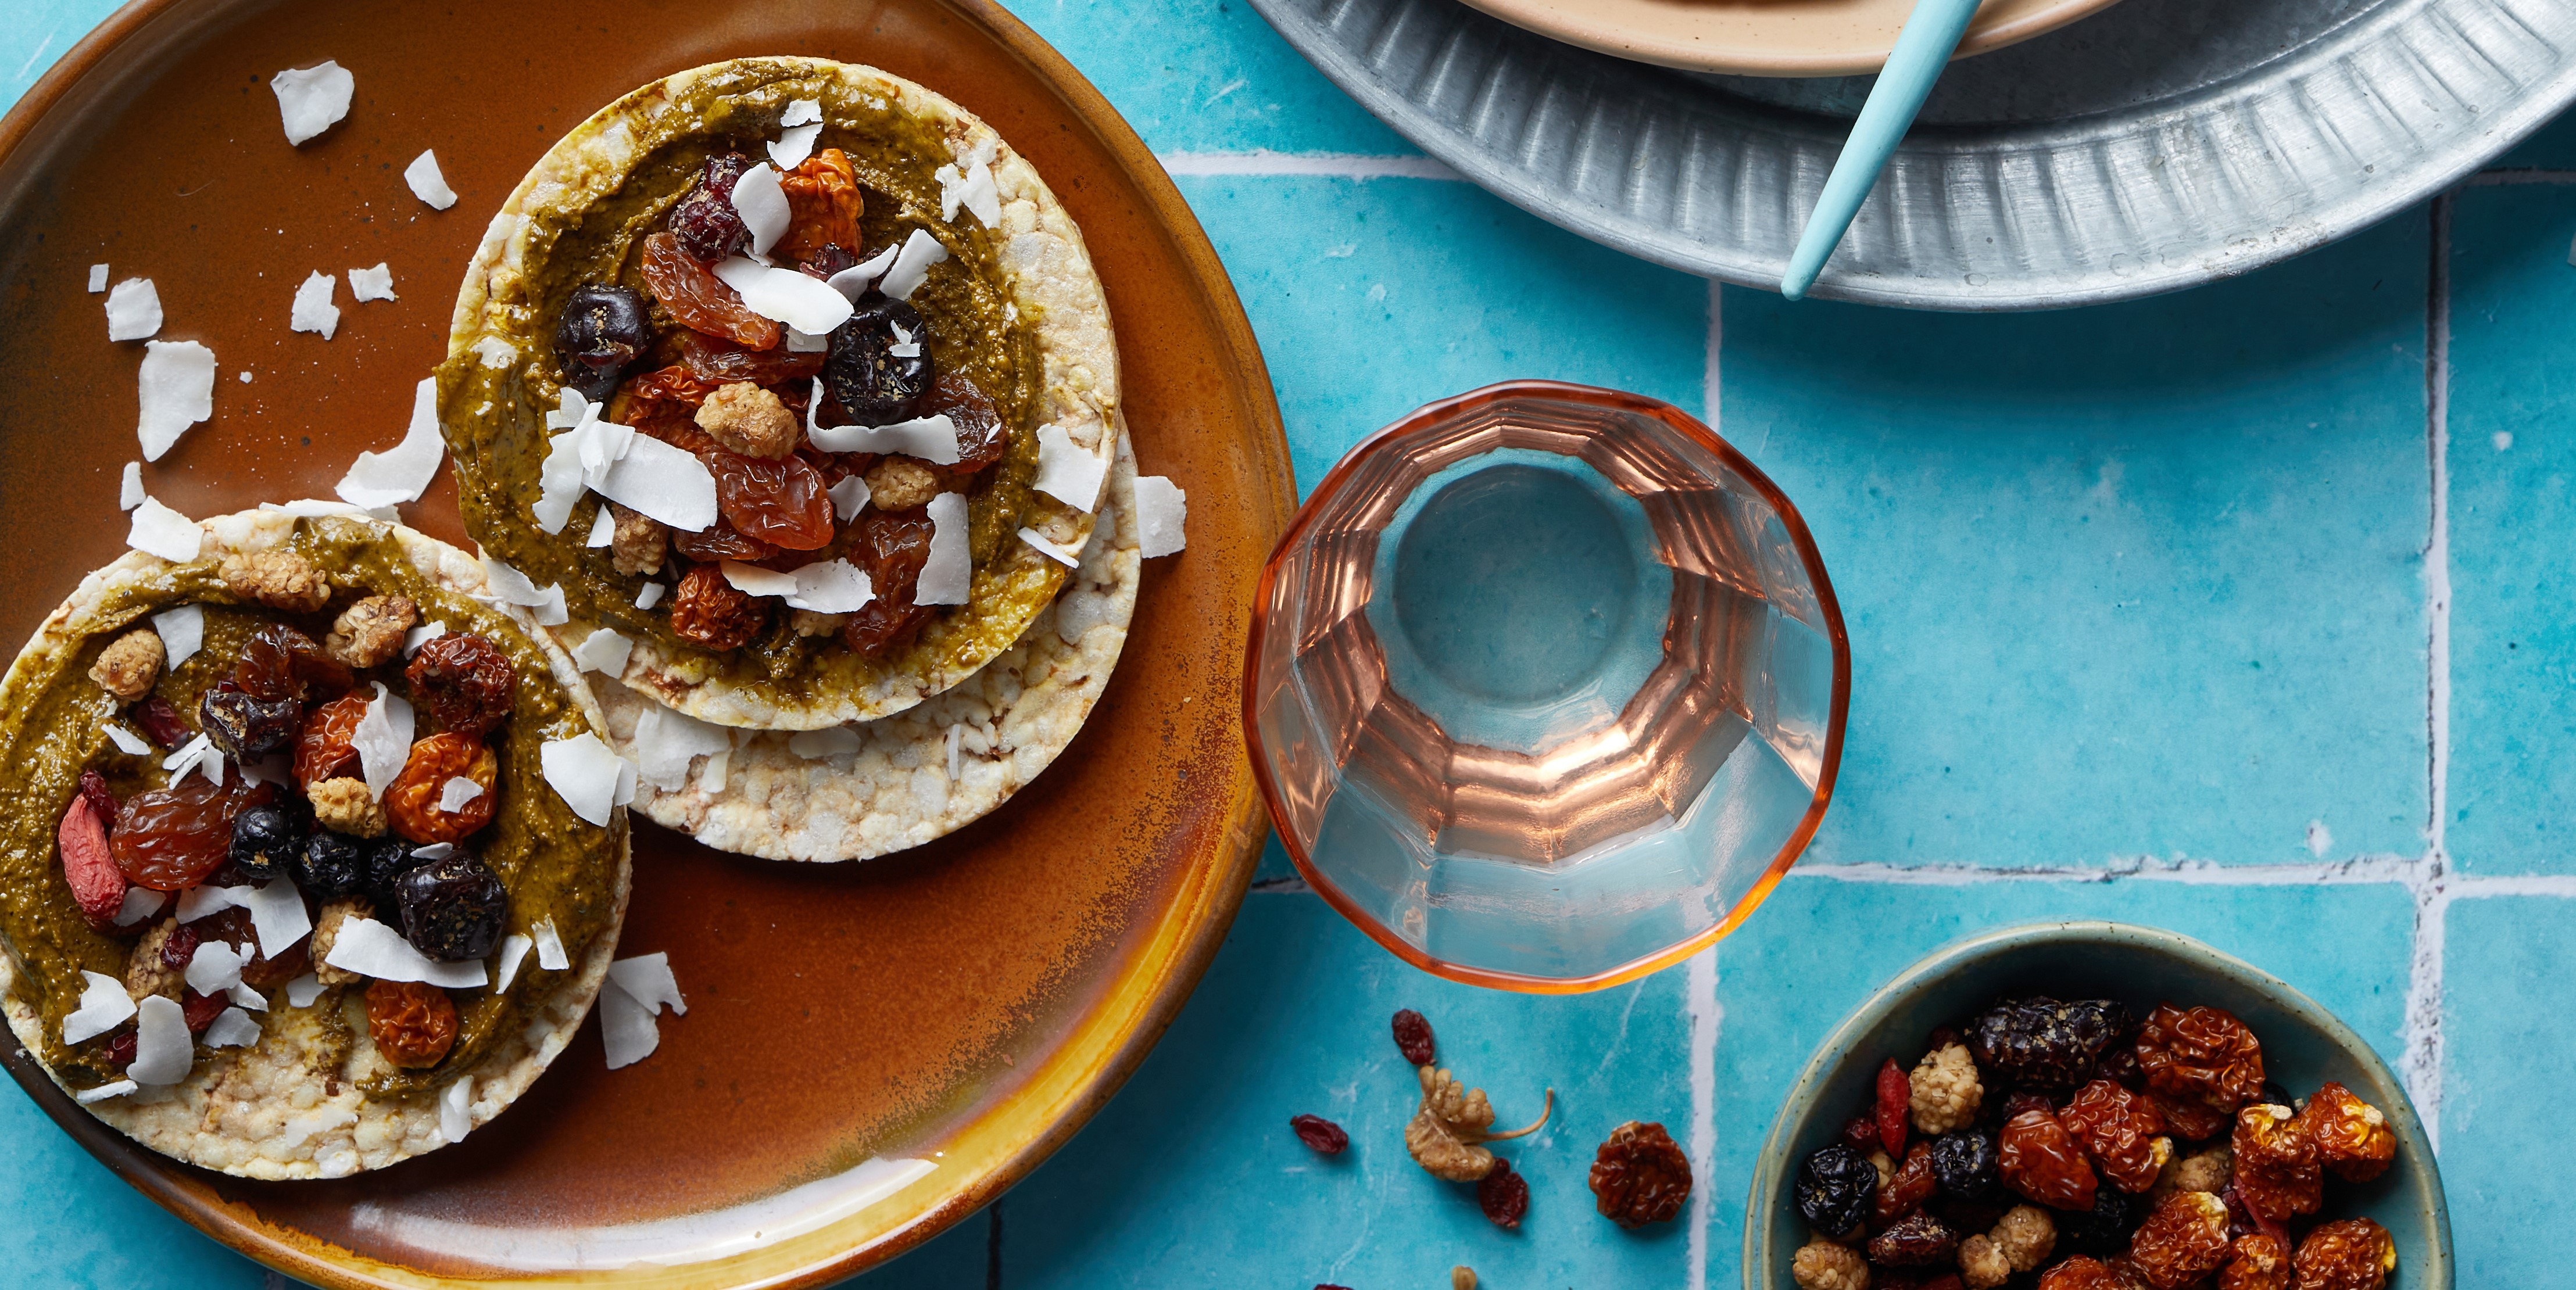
(1320, 1134)
(412, 801)
(328, 748)
(466, 683)
(170, 838)
(2275, 1163)
(700, 300)
(2184, 1240)
(2352, 1136)
(1640, 1175)
(2202, 1053)
(2121, 1132)
(89, 868)
(1504, 1196)
(1895, 1094)
(414, 1024)
(2039, 1159)
(1413, 1037)
(2347, 1254)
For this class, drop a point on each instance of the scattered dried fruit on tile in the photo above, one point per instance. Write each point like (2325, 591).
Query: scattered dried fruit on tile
(1504, 1195)
(1462, 1278)
(1326, 1137)
(1640, 1176)
(1447, 1133)
(1413, 1037)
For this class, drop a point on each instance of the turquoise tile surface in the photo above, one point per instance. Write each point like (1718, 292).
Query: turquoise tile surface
(2502, 1075)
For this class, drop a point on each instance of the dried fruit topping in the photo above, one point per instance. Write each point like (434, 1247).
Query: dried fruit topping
(874, 384)
(1823, 1265)
(2202, 1171)
(1860, 1133)
(2025, 1236)
(893, 548)
(1964, 1164)
(2039, 1159)
(93, 789)
(452, 909)
(98, 885)
(465, 682)
(169, 838)
(2257, 1262)
(2204, 1054)
(387, 859)
(370, 632)
(2082, 1274)
(2046, 1044)
(413, 802)
(1907, 1186)
(781, 502)
(278, 578)
(2189, 1118)
(2105, 1228)
(708, 364)
(2120, 1065)
(1981, 1265)
(1917, 1240)
(345, 806)
(331, 865)
(2121, 1132)
(1893, 1093)
(1320, 1134)
(2184, 1240)
(266, 839)
(1504, 1196)
(2276, 1163)
(247, 729)
(1944, 1093)
(2352, 1136)
(161, 723)
(823, 204)
(1834, 1190)
(721, 541)
(699, 299)
(1413, 1036)
(1640, 1175)
(279, 662)
(2347, 1254)
(129, 665)
(749, 420)
(328, 748)
(1447, 1133)
(704, 221)
(413, 1024)
(200, 1010)
(602, 331)
(2022, 1100)
(712, 613)
(981, 440)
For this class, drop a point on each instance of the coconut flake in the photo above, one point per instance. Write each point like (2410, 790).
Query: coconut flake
(313, 310)
(182, 631)
(647, 979)
(905, 345)
(97, 278)
(800, 343)
(604, 650)
(588, 775)
(801, 112)
(505, 961)
(785, 295)
(854, 281)
(232, 1029)
(603, 529)
(627, 1033)
(133, 310)
(456, 1109)
(434, 851)
(644, 474)
(129, 490)
(515, 588)
(271, 768)
(950, 566)
(830, 741)
(427, 183)
(793, 145)
(650, 596)
(177, 389)
(164, 532)
(372, 284)
(550, 947)
(422, 635)
(831, 587)
(277, 916)
(90, 1096)
(456, 792)
(245, 997)
(199, 901)
(920, 251)
(666, 742)
(199, 754)
(849, 497)
(762, 203)
(312, 100)
(383, 739)
(971, 188)
(662, 483)
(321, 1119)
(712, 779)
(1067, 471)
(752, 580)
(140, 903)
(214, 968)
(1064, 555)
(303, 990)
(162, 1049)
(318, 507)
(126, 742)
(1161, 509)
(104, 1005)
(402, 473)
(932, 438)
(370, 948)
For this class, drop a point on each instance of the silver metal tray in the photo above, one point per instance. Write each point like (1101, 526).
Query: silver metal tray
(2160, 144)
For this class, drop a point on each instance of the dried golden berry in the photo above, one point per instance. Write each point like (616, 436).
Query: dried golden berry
(2183, 1241)
(328, 749)
(692, 293)
(412, 802)
(2348, 1254)
(2276, 1163)
(2258, 1263)
(823, 203)
(1823, 1265)
(1640, 1175)
(2121, 1132)
(2352, 1136)
(1943, 1093)
(712, 613)
(465, 682)
(413, 1024)
(2080, 1273)
(2204, 1054)
(2040, 1160)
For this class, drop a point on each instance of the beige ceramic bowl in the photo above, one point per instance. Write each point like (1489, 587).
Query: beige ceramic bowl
(1769, 37)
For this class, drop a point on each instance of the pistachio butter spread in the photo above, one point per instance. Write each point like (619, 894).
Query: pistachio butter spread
(238, 812)
(628, 336)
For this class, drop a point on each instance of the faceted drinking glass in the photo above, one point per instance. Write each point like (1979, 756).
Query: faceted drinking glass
(1546, 687)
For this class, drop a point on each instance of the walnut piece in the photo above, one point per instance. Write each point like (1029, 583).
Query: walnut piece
(900, 483)
(1944, 1091)
(2024, 1236)
(345, 806)
(129, 665)
(278, 579)
(637, 544)
(1823, 1265)
(1447, 1133)
(326, 932)
(146, 973)
(749, 420)
(371, 631)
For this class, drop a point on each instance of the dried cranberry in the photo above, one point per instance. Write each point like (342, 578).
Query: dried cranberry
(873, 384)
(202, 1009)
(161, 722)
(93, 786)
(1320, 1134)
(120, 1048)
(1504, 1196)
(179, 946)
(705, 221)
(1413, 1036)
(1860, 1133)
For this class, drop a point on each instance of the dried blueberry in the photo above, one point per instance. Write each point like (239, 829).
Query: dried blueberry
(873, 384)
(600, 334)
(247, 728)
(2103, 1230)
(1964, 1164)
(708, 226)
(388, 859)
(453, 908)
(331, 865)
(2042, 1043)
(265, 841)
(1835, 1188)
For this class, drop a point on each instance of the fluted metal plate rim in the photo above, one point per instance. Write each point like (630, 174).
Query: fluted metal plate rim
(2364, 120)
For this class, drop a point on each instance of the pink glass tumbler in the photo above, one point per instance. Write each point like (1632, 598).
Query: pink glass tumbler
(1546, 687)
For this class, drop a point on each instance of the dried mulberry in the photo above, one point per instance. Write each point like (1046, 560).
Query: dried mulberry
(2258, 1263)
(1834, 1190)
(1447, 1133)
(2039, 1159)
(2352, 1136)
(2184, 1240)
(2348, 1254)
(2121, 1132)
(1823, 1265)
(2043, 1043)
(2204, 1054)
(2276, 1163)
(1944, 1093)
(2206, 1171)
(2026, 1235)
(1981, 1265)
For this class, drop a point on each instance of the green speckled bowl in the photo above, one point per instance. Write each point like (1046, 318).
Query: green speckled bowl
(2303, 1046)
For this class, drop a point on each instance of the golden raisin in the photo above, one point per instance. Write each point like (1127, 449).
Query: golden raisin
(2040, 1160)
(2183, 1241)
(2276, 1163)
(2121, 1131)
(2204, 1054)
(700, 300)
(2348, 1254)
(712, 613)
(2352, 1136)
(414, 1024)
(412, 801)
(2259, 1263)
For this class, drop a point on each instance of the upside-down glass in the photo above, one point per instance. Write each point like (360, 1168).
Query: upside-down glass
(1546, 687)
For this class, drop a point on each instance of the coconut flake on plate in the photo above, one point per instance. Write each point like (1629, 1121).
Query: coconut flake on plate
(830, 741)
(182, 632)
(849, 497)
(382, 739)
(372, 284)
(1161, 509)
(92, 1096)
(603, 530)
(550, 946)
(456, 792)
(162, 1048)
(752, 580)
(204, 899)
(129, 488)
(515, 588)
(784, 295)
(140, 903)
(422, 635)
(666, 742)
(456, 1109)
(650, 596)
(604, 650)
(831, 587)
(303, 990)
(127, 742)
(1064, 555)
(370, 948)
(1067, 471)
(277, 916)
(313, 310)
(932, 438)
(311, 100)
(912, 265)
(588, 775)
(854, 281)
(401, 473)
(307, 508)
(950, 565)
(164, 532)
(427, 183)
(133, 310)
(647, 979)
(636, 991)
(104, 1005)
(176, 386)
(97, 278)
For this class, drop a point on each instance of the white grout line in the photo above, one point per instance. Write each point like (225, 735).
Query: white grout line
(2422, 1065)
(2200, 873)
(1699, 996)
(1325, 165)
(2556, 886)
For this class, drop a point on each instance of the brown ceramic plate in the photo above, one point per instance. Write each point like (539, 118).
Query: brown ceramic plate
(968, 1004)
(1769, 37)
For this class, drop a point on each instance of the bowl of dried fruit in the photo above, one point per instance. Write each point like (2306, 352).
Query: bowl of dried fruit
(2095, 1106)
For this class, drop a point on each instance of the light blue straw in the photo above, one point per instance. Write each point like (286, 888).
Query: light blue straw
(1923, 48)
